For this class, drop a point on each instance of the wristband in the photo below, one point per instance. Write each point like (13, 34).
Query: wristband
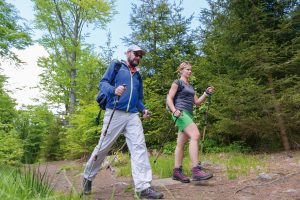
(175, 111)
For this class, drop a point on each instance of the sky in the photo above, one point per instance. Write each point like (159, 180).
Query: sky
(23, 80)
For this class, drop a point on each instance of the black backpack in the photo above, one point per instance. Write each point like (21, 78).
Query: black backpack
(180, 87)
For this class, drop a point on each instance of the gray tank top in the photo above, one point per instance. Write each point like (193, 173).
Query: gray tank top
(184, 98)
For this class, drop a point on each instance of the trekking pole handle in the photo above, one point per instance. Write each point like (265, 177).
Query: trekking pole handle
(118, 97)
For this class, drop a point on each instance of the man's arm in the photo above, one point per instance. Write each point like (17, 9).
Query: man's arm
(140, 104)
(105, 82)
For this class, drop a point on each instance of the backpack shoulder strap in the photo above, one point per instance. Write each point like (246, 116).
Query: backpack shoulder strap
(180, 85)
(117, 66)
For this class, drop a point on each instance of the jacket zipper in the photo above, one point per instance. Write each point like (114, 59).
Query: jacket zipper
(130, 90)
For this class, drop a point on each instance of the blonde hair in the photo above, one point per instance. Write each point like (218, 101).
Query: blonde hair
(182, 66)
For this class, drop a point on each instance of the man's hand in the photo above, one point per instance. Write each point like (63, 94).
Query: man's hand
(146, 114)
(120, 90)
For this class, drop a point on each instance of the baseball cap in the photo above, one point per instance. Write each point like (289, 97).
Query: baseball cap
(136, 48)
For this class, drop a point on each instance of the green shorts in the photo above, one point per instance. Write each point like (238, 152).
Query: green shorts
(184, 120)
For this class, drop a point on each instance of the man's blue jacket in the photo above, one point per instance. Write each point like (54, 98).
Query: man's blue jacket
(132, 98)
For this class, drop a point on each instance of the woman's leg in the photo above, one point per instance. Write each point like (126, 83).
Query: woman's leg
(193, 133)
(179, 151)
(198, 174)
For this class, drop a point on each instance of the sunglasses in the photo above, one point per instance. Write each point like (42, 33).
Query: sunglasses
(138, 54)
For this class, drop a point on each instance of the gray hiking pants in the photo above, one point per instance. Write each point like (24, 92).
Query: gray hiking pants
(131, 125)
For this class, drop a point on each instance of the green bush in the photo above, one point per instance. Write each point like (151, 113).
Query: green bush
(11, 148)
(169, 148)
(212, 146)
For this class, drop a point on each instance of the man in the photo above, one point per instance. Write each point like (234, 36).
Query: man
(124, 92)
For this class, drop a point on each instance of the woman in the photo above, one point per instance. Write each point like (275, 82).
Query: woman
(180, 100)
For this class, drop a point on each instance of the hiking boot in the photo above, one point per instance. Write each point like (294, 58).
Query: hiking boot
(150, 193)
(179, 176)
(199, 174)
(200, 165)
(87, 186)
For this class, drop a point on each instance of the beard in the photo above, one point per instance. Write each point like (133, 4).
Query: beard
(133, 62)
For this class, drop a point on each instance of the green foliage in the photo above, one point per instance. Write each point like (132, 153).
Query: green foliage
(51, 149)
(12, 33)
(36, 127)
(248, 50)
(238, 164)
(11, 148)
(249, 46)
(163, 166)
(234, 118)
(82, 137)
(71, 60)
(169, 148)
(212, 146)
(57, 83)
(28, 183)
(161, 29)
(7, 105)
(123, 169)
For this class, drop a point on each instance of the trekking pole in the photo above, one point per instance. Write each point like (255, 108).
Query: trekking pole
(104, 134)
(161, 147)
(205, 120)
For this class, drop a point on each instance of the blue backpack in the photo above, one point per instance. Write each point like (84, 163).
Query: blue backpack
(102, 97)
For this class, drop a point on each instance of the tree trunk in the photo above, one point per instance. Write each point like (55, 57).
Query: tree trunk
(72, 91)
(278, 114)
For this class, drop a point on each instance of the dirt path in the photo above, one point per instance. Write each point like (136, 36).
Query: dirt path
(281, 181)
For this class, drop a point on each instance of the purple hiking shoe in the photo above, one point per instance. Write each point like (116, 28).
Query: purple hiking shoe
(199, 174)
(179, 176)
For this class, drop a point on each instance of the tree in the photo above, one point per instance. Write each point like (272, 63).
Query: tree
(65, 23)
(12, 34)
(161, 29)
(11, 149)
(257, 39)
(34, 125)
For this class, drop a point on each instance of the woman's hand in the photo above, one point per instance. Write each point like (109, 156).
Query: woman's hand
(209, 90)
(177, 113)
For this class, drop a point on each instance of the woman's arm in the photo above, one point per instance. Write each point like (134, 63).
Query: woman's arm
(170, 99)
(201, 99)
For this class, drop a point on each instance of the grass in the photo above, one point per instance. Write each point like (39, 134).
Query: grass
(235, 164)
(238, 164)
(28, 184)
(25, 183)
